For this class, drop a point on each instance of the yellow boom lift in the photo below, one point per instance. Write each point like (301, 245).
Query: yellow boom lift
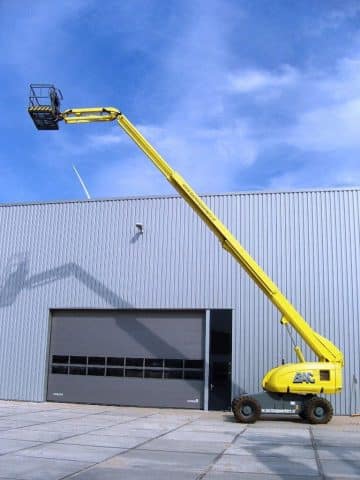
(288, 387)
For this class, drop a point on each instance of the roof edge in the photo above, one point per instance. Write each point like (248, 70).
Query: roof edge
(169, 196)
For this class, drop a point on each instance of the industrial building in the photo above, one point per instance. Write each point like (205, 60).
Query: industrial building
(133, 301)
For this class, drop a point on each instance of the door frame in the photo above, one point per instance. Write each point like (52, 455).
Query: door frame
(207, 354)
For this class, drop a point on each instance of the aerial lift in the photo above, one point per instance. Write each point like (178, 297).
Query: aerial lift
(292, 387)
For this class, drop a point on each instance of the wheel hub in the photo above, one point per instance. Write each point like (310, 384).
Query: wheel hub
(319, 412)
(246, 410)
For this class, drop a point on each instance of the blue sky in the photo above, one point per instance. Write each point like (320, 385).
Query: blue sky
(237, 95)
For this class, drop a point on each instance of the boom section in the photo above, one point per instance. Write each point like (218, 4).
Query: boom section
(324, 349)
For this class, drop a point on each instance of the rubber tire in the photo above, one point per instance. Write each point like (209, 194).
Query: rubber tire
(312, 416)
(238, 405)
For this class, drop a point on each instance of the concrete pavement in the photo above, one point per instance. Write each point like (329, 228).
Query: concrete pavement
(49, 441)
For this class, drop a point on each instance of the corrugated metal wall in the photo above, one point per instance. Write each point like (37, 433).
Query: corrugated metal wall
(89, 255)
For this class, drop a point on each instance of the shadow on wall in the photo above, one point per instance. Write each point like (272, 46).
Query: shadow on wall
(16, 279)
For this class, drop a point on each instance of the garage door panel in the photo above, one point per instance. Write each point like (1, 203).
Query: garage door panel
(127, 392)
(127, 358)
(169, 335)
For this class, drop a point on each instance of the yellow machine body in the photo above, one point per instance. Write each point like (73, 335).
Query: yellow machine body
(304, 378)
(321, 376)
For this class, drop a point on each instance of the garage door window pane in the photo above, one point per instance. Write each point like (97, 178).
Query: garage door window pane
(134, 362)
(173, 374)
(129, 372)
(60, 359)
(96, 371)
(77, 359)
(96, 360)
(153, 373)
(115, 372)
(115, 361)
(60, 369)
(77, 370)
(194, 363)
(154, 362)
(193, 375)
(173, 363)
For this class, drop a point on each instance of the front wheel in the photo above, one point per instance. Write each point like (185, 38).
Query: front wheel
(246, 409)
(318, 410)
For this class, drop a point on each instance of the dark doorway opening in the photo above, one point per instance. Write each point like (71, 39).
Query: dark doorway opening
(220, 354)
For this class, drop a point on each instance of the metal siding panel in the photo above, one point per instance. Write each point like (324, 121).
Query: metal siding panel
(88, 255)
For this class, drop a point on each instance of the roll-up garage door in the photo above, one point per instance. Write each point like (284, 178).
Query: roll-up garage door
(138, 358)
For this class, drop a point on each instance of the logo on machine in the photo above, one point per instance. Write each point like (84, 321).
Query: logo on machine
(304, 377)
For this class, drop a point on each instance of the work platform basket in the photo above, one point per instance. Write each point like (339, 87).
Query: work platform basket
(44, 106)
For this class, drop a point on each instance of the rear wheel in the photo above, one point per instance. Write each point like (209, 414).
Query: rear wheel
(246, 409)
(318, 410)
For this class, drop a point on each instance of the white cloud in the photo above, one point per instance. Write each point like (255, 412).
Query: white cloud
(254, 80)
(105, 140)
(328, 128)
(209, 159)
(328, 110)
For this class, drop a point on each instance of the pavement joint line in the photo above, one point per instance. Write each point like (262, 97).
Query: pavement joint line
(317, 457)
(50, 421)
(217, 458)
(28, 413)
(74, 418)
(15, 452)
(72, 475)
(94, 430)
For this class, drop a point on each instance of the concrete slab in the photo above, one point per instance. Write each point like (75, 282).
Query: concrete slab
(337, 438)
(12, 422)
(341, 469)
(184, 446)
(73, 428)
(286, 429)
(98, 440)
(254, 476)
(130, 432)
(267, 465)
(7, 446)
(200, 436)
(331, 453)
(89, 420)
(275, 450)
(159, 426)
(169, 461)
(94, 420)
(222, 428)
(49, 415)
(132, 429)
(101, 473)
(24, 468)
(80, 453)
(34, 435)
(265, 438)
